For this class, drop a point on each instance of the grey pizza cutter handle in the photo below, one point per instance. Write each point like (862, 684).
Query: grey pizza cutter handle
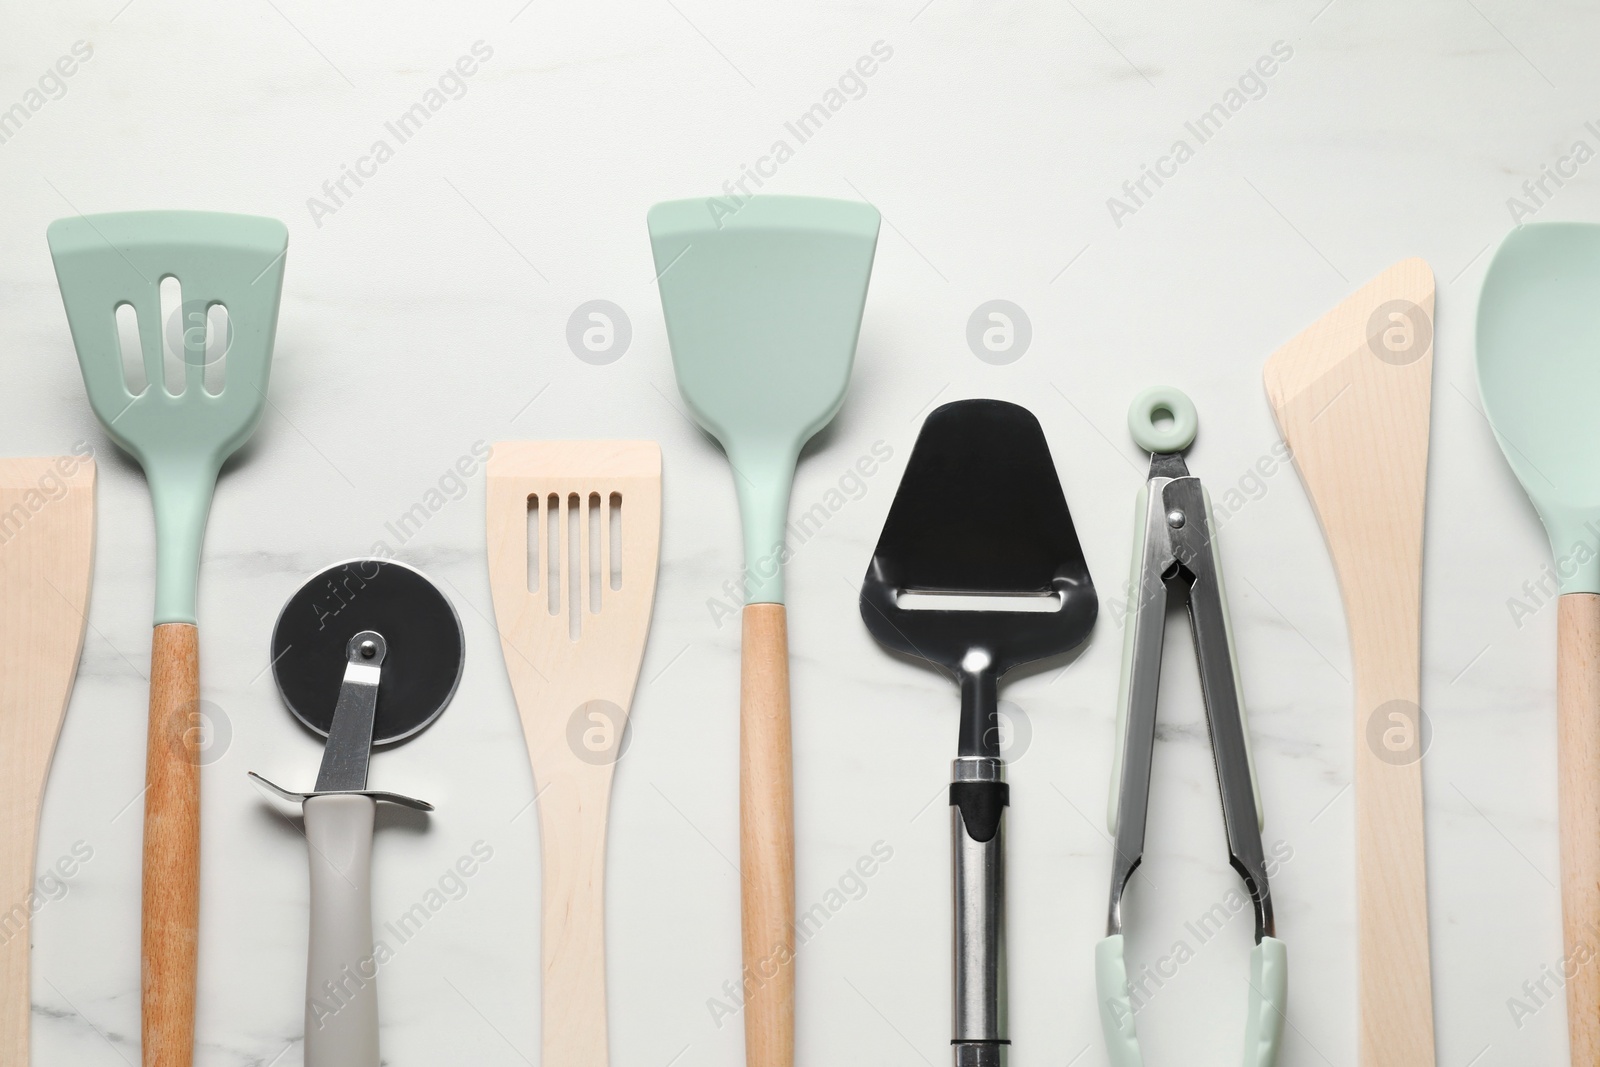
(341, 971)
(341, 967)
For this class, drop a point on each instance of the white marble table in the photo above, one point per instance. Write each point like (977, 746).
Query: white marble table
(426, 310)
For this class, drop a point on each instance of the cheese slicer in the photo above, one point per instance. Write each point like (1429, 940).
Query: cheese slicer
(979, 571)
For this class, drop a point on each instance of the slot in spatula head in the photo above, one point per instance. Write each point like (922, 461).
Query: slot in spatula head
(105, 261)
(763, 307)
(980, 512)
(1539, 374)
(572, 605)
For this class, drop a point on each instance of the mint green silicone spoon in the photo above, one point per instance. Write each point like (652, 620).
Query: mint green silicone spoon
(181, 439)
(1539, 373)
(763, 304)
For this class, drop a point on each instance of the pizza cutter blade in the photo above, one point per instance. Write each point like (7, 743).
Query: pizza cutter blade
(367, 653)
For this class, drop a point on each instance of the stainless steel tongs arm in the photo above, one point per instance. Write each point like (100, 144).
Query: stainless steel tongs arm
(1195, 554)
(1141, 680)
(1176, 546)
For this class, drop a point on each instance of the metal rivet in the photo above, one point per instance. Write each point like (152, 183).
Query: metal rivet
(369, 648)
(1175, 519)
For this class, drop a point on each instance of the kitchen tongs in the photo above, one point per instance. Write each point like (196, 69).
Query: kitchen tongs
(1175, 553)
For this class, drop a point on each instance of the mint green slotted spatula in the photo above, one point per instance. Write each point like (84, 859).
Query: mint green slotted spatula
(763, 305)
(181, 440)
(1539, 373)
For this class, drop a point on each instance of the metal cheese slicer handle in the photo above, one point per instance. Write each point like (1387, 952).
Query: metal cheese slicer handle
(978, 800)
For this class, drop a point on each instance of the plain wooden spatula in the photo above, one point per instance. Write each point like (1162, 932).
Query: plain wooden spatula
(46, 556)
(1352, 395)
(1539, 373)
(574, 537)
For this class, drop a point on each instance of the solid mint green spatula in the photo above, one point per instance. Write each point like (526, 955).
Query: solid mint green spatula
(1539, 373)
(763, 306)
(181, 436)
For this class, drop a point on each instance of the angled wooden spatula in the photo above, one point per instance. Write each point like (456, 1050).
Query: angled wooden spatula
(46, 555)
(574, 536)
(1352, 395)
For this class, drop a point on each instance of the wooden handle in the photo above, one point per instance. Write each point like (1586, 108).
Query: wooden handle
(572, 833)
(766, 837)
(1578, 759)
(1395, 999)
(171, 848)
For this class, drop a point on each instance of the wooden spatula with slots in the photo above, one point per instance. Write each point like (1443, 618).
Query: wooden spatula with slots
(46, 555)
(574, 536)
(1352, 395)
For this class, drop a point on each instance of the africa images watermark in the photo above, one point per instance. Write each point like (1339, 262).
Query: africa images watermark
(1250, 86)
(448, 488)
(851, 485)
(851, 85)
(342, 590)
(999, 332)
(51, 85)
(51, 886)
(51, 487)
(451, 85)
(1200, 931)
(598, 332)
(1552, 177)
(1546, 987)
(849, 887)
(338, 993)
(1539, 591)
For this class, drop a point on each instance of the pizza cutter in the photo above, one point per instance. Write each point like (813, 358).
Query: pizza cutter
(366, 654)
